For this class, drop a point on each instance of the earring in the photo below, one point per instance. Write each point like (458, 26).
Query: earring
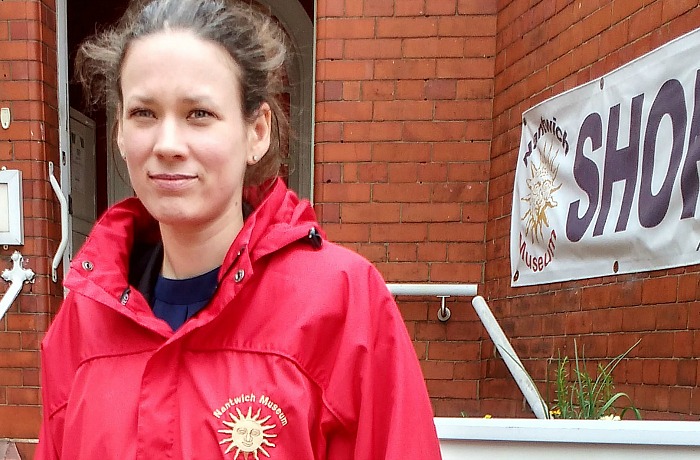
(255, 158)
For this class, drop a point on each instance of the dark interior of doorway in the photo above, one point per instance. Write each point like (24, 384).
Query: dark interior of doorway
(85, 18)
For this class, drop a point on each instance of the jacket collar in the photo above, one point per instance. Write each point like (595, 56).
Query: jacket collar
(124, 238)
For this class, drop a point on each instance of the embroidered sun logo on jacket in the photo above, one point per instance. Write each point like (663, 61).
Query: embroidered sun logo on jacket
(247, 434)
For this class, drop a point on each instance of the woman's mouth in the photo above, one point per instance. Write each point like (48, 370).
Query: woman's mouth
(172, 181)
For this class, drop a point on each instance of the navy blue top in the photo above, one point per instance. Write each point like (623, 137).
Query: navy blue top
(176, 301)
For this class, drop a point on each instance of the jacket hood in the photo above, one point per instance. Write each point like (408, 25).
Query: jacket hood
(279, 218)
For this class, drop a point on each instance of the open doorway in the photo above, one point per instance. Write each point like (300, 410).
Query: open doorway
(94, 177)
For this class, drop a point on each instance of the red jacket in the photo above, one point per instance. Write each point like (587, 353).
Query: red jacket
(301, 354)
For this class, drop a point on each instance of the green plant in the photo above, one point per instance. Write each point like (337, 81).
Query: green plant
(589, 396)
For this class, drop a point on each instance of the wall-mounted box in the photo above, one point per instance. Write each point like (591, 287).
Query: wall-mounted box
(11, 210)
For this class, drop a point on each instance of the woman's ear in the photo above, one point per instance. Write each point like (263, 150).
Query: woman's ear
(259, 134)
(119, 132)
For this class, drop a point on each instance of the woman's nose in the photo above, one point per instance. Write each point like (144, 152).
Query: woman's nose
(170, 139)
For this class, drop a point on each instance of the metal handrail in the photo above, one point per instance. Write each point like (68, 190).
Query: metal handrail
(64, 224)
(498, 337)
(443, 291)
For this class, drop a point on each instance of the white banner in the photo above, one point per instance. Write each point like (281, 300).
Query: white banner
(607, 175)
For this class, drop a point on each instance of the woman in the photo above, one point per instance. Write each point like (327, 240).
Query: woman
(207, 318)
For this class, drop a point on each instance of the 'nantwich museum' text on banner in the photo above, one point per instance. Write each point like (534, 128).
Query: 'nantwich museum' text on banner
(607, 174)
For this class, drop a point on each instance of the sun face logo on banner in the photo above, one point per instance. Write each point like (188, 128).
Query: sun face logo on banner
(542, 186)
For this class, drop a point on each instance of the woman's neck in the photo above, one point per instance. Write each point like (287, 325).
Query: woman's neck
(191, 252)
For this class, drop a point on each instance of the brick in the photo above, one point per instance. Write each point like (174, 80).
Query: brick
(330, 8)
(434, 47)
(353, 8)
(343, 111)
(425, 131)
(659, 290)
(327, 132)
(373, 48)
(674, 9)
(475, 88)
(369, 212)
(410, 89)
(453, 351)
(401, 152)
(376, 131)
(460, 192)
(19, 359)
(474, 26)
(329, 49)
(465, 68)
(441, 89)
(411, 69)
(23, 396)
(432, 172)
(406, 27)
(10, 340)
(372, 172)
(454, 272)
(404, 272)
(11, 377)
(399, 232)
(347, 232)
(430, 212)
(345, 70)
(20, 421)
(349, 151)
(378, 7)
(330, 28)
(440, 7)
(345, 193)
(476, 109)
(351, 90)
(432, 252)
(378, 90)
(394, 192)
(406, 173)
(644, 21)
(465, 252)
(452, 232)
(437, 370)
(403, 110)
(467, 7)
(329, 91)
(13, 10)
(375, 253)
(402, 252)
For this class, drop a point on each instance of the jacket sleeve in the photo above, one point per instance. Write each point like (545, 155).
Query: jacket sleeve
(57, 370)
(46, 450)
(376, 388)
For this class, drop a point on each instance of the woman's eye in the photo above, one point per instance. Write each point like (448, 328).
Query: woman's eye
(200, 113)
(141, 113)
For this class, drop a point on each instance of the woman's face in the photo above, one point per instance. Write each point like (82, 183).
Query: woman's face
(182, 132)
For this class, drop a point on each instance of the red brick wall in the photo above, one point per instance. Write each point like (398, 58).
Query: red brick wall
(28, 78)
(543, 48)
(403, 136)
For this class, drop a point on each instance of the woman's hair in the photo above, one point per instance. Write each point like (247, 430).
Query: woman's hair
(252, 39)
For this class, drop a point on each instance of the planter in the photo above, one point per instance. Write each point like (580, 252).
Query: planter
(524, 439)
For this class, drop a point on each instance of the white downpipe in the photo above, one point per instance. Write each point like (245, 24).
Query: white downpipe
(516, 368)
(16, 276)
